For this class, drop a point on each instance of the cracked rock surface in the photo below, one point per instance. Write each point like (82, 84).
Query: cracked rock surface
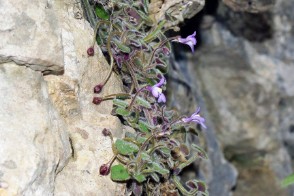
(51, 141)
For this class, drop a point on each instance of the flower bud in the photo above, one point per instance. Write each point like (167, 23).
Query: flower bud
(98, 88)
(97, 100)
(90, 51)
(176, 171)
(104, 169)
(106, 132)
(165, 51)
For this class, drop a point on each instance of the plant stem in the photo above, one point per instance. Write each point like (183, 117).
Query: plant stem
(149, 119)
(153, 53)
(137, 93)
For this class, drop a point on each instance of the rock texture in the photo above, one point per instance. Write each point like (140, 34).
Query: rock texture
(243, 76)
(174, 11)
(51, 141)
(30, 35)
(252, 6)
(34, 141)
(185, 95)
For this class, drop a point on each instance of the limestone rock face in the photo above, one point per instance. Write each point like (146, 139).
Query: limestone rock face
(51, 140)
(30, 35)
(240, 86)
(34, 141)
(252, 6)
(174, 11)
(246, 90)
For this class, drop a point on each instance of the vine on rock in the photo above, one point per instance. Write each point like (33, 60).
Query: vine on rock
(151, 158)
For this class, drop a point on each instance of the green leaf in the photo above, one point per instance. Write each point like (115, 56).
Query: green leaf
(122, 47)
(144, 126)
(138, 62)
(122, 112)
(143, 102)
(141, 140)
(98, 40)
(119, 173)
(120, 103)
(154, 33)
(139, 177)
(135, 137)
(159, 169)
(155, 177)
(148, 21)
(125, 148)
(165, 151)
(170, 162)
(101, 12)
(200, 151)
(145, 157)
(288, 180)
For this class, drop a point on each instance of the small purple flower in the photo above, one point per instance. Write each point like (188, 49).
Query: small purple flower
(157, 92)
(195, 117)
(190, 40)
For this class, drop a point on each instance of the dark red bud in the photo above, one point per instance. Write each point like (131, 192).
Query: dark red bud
(104, 170)
(201, 187)
(90, 51)
(106, 132)
(158, 61)
(98, 88)
(97, 100)
(165, 50)
(176, 171)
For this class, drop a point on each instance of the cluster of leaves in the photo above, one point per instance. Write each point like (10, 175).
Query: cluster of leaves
(152, 157)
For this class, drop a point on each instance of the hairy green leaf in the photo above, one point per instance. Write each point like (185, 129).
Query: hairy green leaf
(139, 177)
(126, 148)
(154, 33)
(155, 177)
(119, 173)
(142, 102)
(120, 103)
(136, 137)
(122, 112)
(148, 21)
(158, 168)
(288, 180)
(145, 157)
(101, 12)
(144, 126)
(200, 151)
(124, 48)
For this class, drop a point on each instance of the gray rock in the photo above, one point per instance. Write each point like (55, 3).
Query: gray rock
(51, 141)
(252, 6)
(30, 35)
(34, 142)
(248, 94)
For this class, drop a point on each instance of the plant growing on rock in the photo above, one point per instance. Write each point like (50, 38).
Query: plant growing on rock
(151, 158)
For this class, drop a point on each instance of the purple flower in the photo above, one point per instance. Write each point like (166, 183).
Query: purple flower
(157, 92)
(190, 40)
(195, 117)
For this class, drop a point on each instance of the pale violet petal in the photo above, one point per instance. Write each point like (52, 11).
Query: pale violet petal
(161, 98)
